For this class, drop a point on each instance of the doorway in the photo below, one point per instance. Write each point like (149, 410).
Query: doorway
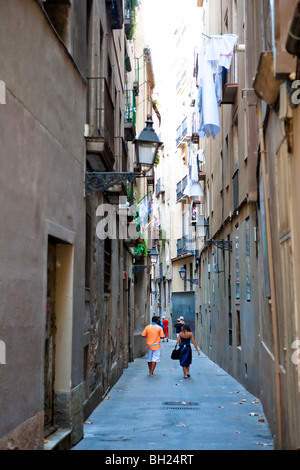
(58, 327)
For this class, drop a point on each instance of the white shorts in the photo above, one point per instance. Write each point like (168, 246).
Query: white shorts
(154, 356)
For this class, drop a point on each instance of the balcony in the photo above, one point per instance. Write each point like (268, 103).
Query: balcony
(100, 141)
(229, 93)
(128, 18)
(202, 171)
(160, 188)
(130, 115)
(181, 186)
(114, 9)
(184, 132)
(229, 83)
(185, 246)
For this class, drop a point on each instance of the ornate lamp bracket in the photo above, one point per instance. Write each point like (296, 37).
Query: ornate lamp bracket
(224, 245)
(102, 181)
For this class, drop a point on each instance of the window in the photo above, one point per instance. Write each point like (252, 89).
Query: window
(237, 263)
(236, 190)
(221, 170)
(88, 252)
(169, 292)
(230, 328)
(264, 238)
(238, 329)
(213, 278)
(248, 270)
(191, 276)
(226, 162)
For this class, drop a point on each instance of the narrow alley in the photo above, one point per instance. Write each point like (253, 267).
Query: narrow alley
(149, 165)
(208, 411)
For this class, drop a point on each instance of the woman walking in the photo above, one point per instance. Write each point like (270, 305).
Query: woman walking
(184, 340)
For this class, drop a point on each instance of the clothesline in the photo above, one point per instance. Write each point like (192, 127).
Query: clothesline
(214, 56)
(149, 192)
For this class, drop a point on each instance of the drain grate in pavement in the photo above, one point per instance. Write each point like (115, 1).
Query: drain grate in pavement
(181, 408)
(181, 405)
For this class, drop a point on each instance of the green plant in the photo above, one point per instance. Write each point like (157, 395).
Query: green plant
(141, 249)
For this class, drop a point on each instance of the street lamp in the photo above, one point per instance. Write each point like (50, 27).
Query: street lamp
(182, 274)
(153, 255)
(147, 145)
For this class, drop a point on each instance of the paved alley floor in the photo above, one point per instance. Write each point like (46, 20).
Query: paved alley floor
(208, 411)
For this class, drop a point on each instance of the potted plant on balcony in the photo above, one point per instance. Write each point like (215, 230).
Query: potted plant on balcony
(141, 249)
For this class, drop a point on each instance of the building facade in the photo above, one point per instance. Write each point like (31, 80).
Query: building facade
(43, 238)
(249, 306)
(68, 316)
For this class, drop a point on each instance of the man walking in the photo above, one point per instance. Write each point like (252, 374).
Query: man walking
(153, 334)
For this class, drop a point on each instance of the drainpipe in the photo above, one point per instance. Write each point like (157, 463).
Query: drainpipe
(272, 282)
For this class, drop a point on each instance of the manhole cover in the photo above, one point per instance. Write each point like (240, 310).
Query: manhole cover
(184, 404)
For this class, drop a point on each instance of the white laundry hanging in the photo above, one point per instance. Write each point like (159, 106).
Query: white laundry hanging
(194, 167)
(193, 189)
(220, 49)
(143, 213)
(209, 119)
(214, 54)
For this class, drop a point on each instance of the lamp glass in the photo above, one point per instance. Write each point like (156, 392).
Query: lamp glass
(153, 255)
(147, 145)
(146, 153)
(182, 272)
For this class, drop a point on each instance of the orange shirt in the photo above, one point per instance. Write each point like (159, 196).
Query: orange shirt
(153, 333)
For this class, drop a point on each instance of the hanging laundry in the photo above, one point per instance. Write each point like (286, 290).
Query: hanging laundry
(215, 54)
(193, 189)
(201, 160)
(194, 167)
(149, 206)
(220, 49)
(143, 213)
(209, 119)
